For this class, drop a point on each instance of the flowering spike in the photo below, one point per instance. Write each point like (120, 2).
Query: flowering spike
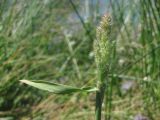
(102, 44)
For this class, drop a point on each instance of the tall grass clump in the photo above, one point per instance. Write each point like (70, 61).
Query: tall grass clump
(28, 46)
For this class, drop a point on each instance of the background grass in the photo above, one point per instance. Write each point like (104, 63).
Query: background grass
(52, 40)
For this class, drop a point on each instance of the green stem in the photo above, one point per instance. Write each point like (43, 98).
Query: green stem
(108, 100)
(99, 101)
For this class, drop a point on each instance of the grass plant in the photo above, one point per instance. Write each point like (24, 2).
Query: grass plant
(52, 40)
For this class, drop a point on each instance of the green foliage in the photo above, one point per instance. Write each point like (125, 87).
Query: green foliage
(44, 40)
(57, 88)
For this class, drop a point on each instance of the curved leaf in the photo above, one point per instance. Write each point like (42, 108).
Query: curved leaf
(57, 88)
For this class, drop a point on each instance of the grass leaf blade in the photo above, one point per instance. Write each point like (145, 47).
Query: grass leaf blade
(56, 88)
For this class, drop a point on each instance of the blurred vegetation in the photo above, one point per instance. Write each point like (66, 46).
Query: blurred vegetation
(52, 40)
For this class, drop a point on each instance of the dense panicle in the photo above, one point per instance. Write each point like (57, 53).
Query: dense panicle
(102, 44)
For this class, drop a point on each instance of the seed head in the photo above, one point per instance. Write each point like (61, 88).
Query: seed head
(102, 44)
